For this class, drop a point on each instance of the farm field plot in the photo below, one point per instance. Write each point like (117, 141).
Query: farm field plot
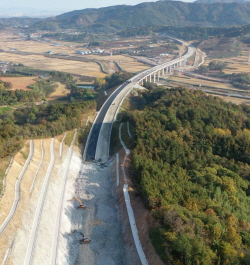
(196, 81)
(10, 41)
(235, 100)
(20, 82)
(235, 64)
(54, 64)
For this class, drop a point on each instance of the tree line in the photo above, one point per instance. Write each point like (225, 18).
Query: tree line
(191, 156)
(39, 122)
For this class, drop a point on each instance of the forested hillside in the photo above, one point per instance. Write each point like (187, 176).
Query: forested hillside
(39, 122)
(172, 13)
(192, 162)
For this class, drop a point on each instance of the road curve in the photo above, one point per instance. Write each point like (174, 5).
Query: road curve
(98, 143)
(59, 209)
(17, 190)
(96, 127)
(36, 220)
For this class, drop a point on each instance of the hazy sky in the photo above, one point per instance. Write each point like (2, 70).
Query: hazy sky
(66, 4)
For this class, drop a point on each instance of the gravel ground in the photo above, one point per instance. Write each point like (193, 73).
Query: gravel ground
(100, 221)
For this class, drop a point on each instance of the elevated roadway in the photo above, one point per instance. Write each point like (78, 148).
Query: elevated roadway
(99, 138)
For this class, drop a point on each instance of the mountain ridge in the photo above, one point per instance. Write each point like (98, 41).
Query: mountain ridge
(172, 13)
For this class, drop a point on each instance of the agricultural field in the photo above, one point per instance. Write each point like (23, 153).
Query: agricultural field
(20, 82)
(8, 41)
(38, 48)
(236, 64)
(195, 81)
(54, 64)
(237, 101)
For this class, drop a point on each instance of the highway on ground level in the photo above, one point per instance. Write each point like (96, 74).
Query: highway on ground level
(17, 190)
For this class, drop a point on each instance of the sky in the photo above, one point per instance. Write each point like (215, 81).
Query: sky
(57, 6)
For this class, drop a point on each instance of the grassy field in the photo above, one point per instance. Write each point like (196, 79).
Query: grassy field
(20, 82)
(61, 91)
(69, 137)
(4, 110)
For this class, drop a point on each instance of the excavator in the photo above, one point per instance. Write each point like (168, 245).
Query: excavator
(85, 240)
(81, 206)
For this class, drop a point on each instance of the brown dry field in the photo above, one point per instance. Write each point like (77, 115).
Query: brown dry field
(197, 81)
(61, 91)
(20, 82)
(238, 64)
(213, 84)
(8, 41)
(52, 64)
(237, 101)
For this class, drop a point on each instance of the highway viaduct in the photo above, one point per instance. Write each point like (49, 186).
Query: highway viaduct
(97, 146)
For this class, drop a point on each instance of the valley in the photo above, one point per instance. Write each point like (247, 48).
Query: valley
(124, 136)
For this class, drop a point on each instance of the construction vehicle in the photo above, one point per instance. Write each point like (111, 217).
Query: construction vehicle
(85, 240)
(81, 206)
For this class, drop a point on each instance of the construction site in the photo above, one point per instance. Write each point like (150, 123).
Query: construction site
(57, 209)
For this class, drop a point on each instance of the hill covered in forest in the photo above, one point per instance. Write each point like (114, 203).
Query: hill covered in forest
(159, 13)
(191, 157)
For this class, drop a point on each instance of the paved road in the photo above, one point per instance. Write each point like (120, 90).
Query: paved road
(98, 144)
(91, 149)
(17, 190)
(39, 208)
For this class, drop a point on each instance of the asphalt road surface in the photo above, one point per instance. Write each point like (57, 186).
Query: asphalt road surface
(104, 126)
(91, 149)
